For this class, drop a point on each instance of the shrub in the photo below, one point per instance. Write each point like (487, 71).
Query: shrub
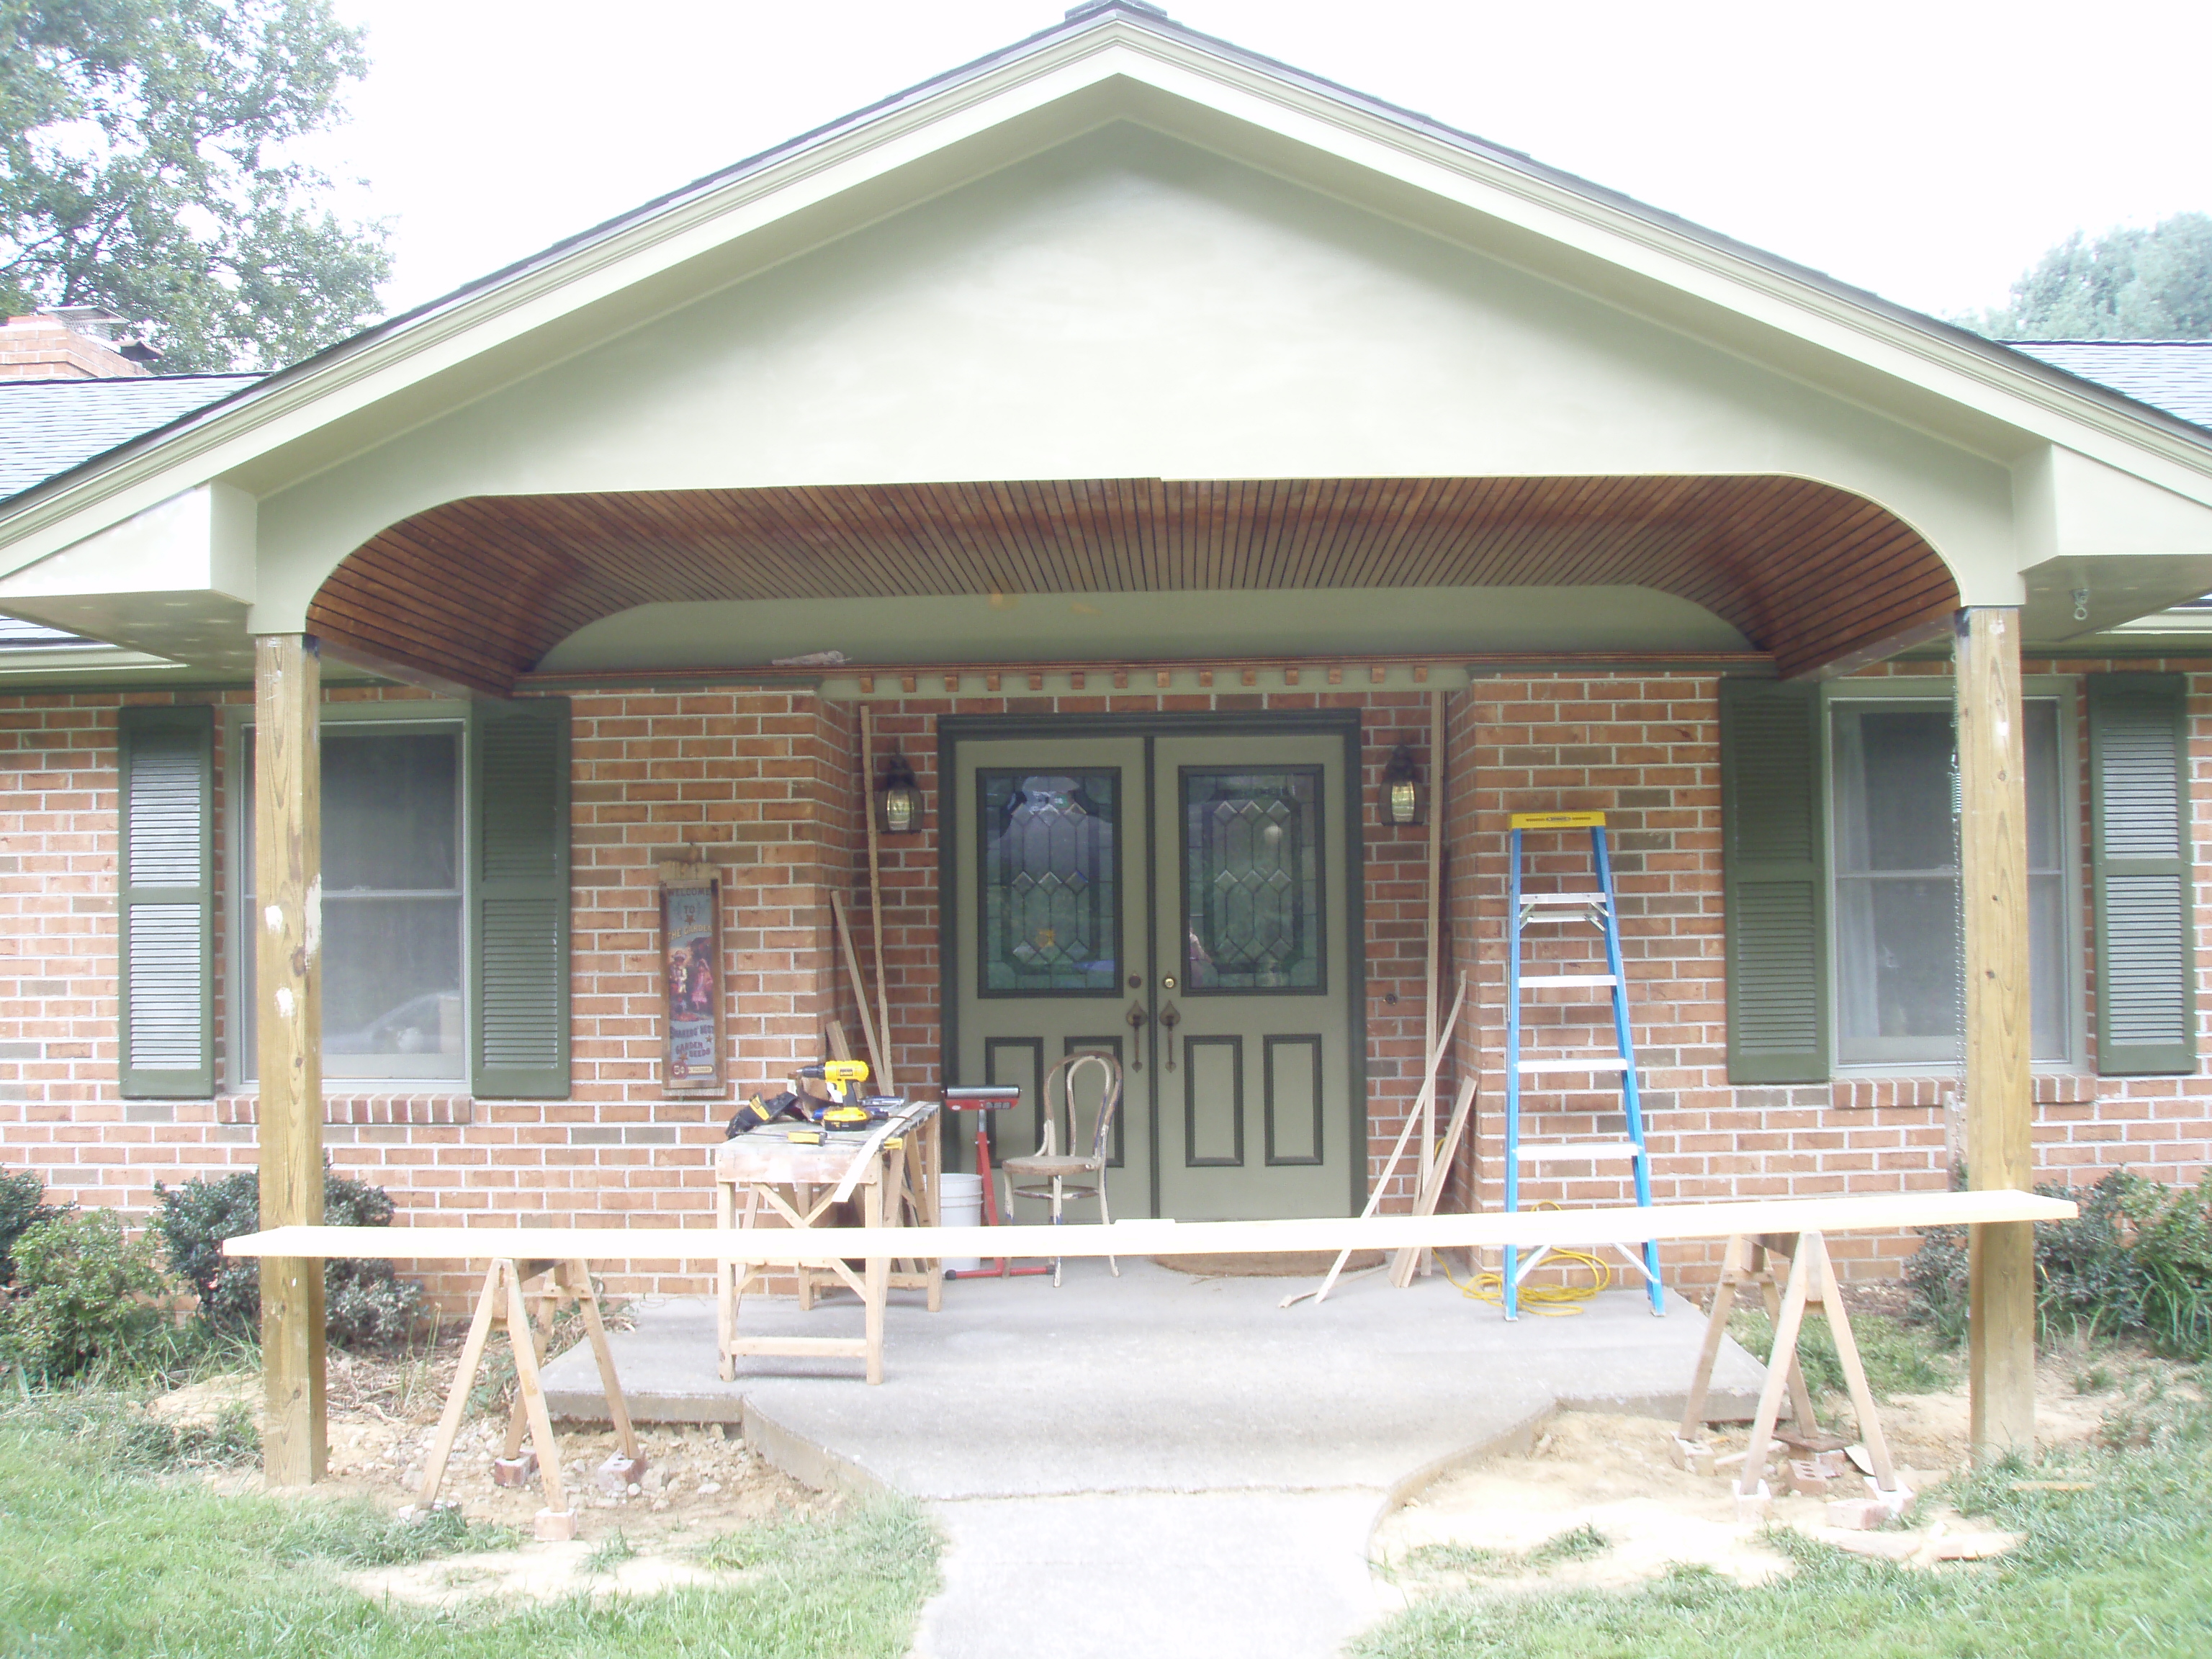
(364, 1306)
(83, 1295)
(2136, 1261)
(20, 1211)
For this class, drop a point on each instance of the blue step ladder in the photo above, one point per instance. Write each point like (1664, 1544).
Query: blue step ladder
(1559, 916)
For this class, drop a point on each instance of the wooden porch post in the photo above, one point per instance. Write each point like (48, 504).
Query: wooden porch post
(287, 876)
(1993, 887)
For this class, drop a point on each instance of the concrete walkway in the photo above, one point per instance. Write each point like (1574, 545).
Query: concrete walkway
(1156, 1464)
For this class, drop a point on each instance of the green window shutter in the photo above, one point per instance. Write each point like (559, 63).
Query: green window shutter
(519, 899)
(2140, 863)
(166, 922)
(1775, 882)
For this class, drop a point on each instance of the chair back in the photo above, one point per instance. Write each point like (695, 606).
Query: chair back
(1110, 1098)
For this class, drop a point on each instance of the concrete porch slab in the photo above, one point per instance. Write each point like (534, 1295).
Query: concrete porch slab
(1082, 1430)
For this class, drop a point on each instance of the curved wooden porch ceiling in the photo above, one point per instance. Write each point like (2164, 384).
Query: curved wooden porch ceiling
(476, 591)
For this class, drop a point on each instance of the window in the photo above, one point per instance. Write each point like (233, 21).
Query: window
(394, 999)
(1894, 836)
(444, 901)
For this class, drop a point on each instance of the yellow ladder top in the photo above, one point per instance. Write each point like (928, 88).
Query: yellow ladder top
(1556, 821)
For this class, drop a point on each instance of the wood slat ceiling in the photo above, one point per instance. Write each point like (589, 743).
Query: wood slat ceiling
(476, 591)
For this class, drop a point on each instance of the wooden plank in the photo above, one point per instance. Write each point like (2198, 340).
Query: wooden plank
(287, 860)
(1734, 1265)
(886, 1083)
(1433, 988)
(522, 1343)
(2000, 1152)
(457, 1400)
(1627, 1224)
(1786, 1324)
(1847, 1355)
(859, 986)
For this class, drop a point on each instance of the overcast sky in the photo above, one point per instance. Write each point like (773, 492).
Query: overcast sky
(1929, 151)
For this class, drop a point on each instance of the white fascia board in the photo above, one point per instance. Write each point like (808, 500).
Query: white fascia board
(384, 365)
(201, 539)
(2189, 622)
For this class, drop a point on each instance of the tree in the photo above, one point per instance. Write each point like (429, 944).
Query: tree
(143, 168)
(2153, 284)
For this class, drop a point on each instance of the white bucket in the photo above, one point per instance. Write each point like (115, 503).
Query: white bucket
(960, 1204)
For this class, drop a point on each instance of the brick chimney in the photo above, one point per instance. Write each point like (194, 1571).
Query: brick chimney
(71, 343)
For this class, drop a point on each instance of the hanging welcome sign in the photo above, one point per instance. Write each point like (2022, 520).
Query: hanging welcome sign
(691, 960)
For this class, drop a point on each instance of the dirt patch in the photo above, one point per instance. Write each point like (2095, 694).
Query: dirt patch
(1601, 1503)
(383, 1416)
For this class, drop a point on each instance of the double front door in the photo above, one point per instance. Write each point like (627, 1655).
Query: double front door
(1182, 900)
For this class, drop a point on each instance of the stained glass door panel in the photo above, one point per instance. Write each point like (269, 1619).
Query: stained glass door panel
(1049, 881)
(1252, 849)
(1048, 925)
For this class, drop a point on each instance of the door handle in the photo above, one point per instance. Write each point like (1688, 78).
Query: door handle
(1169, 1019)
(1137, 1018)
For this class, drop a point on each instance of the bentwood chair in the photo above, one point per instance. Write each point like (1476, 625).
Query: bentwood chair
(1060, 1176)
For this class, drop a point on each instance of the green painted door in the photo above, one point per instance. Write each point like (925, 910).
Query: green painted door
(1254, 966)
(1200, 882)
(1049, 923)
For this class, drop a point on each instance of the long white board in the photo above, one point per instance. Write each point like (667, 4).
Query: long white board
(1883, 1212)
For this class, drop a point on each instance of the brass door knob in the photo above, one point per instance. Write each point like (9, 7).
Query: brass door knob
(1137, 1018)
(1171, 1017)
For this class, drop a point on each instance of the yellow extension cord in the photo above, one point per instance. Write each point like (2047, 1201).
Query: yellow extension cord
(1552, 1301)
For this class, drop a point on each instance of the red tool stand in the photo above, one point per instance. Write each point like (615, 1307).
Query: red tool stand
(983, 1099)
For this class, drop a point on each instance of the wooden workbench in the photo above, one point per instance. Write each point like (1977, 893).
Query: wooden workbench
(762, 1174)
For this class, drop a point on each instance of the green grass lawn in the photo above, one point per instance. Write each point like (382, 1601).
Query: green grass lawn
(2122, 1568)
(109, 1545)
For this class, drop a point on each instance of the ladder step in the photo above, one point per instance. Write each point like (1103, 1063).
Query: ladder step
(1539, 1067)
(1563, 898)
(1565, 981)
(1544, 1152)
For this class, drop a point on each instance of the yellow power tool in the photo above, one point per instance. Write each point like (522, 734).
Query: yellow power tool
(845, 1078)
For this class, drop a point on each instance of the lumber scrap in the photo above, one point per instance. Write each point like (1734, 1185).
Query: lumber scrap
(1432, 1186)
(1397, 1151)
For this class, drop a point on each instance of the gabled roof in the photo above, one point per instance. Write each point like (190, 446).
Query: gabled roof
(2174, 375)
(276, 440)
(47, 426)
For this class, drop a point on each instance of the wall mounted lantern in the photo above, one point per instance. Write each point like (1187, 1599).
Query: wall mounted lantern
(898, 803)
(1405, 797)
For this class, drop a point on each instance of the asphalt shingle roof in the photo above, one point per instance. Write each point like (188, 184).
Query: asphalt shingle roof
(2174, 375)
(48, 427)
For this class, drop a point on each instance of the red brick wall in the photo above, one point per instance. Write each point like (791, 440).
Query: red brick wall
(763, 784)
(1646, 752)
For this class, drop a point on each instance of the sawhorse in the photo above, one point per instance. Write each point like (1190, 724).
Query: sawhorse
(1811, 1283)
(505, 1300)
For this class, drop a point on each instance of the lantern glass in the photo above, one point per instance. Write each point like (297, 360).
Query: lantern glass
(1405, 797)
(899, 802)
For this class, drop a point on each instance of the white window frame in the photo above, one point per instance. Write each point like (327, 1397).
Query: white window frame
(1938, 690)
(442, 713)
